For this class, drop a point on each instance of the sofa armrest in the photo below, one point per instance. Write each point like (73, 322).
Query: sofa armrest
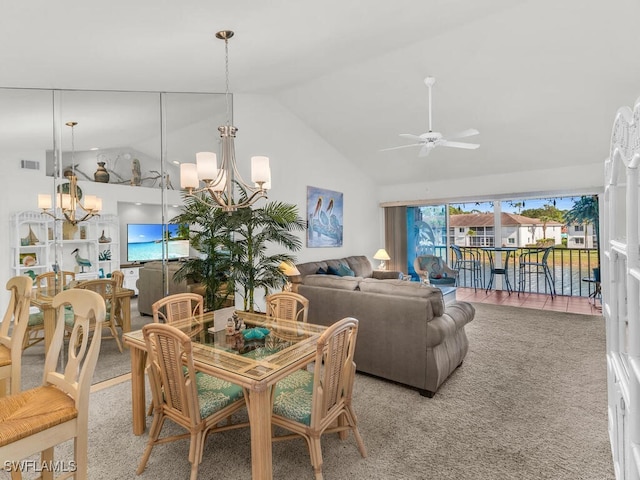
(386, 275)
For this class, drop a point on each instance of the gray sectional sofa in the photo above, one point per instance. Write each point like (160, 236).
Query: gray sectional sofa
(404, 334)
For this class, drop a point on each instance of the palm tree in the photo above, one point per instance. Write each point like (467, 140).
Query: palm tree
(211, 236)
(585, 212)
(254, 230)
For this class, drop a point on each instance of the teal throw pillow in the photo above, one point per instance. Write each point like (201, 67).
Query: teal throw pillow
(345, 271)
(332, 270)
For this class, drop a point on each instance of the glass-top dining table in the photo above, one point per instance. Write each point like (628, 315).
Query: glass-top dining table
(256, 364)
(43, 299)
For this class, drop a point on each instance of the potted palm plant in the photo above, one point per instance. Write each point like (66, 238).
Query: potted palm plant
(210, 235)
(255, 230)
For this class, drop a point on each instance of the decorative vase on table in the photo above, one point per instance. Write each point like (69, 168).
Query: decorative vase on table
(101, 175)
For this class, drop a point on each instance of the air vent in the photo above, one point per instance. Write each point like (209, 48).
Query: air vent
(30, 164)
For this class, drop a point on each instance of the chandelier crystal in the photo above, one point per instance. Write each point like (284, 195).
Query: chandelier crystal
(220, 182)
(72, 209)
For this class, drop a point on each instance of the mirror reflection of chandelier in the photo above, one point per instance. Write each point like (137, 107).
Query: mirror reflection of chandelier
(69, 195)
(220, 182)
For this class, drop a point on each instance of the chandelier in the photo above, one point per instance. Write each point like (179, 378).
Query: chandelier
(69, 195)
(220, 182)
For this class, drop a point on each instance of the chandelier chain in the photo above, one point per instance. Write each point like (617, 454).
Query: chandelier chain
(226, 73)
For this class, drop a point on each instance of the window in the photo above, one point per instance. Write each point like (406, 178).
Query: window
(511, 240)
(461, 230)
(578, 228)
(578, 241)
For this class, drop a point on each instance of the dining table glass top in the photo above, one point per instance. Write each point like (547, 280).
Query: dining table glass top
(265, 346)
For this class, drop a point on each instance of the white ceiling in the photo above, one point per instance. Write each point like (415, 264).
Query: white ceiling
(540, 79)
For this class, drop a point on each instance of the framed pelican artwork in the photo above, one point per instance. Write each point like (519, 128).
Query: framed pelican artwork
(324, 217)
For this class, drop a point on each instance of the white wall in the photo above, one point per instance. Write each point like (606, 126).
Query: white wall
(587, 178)
(299, 158)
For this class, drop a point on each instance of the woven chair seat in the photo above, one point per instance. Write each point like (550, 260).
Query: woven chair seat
(34, 411)
(293, 397)
(5, 356)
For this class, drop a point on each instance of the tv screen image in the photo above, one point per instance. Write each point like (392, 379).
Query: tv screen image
(144, 242)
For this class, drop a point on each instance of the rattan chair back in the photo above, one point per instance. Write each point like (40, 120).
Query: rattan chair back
(179, 306)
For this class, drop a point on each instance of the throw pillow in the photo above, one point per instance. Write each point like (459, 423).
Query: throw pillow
(345, 271)
(321, 271)
(332, 270)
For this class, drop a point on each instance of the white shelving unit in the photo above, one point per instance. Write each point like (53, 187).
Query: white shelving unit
(97, 240)
(32, 240)
(621, 291)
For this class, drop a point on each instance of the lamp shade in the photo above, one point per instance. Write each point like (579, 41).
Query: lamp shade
(382, 254)
(188, 175)
(289, 269)
(260, 172)
(207, 164)
(44, 201)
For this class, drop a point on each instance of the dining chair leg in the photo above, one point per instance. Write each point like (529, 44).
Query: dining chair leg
(154, 433)
(46, 458)
(316, 456)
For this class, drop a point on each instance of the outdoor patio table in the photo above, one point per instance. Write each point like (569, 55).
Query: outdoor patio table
(499, 267)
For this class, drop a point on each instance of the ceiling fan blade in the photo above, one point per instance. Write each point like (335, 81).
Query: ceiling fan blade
(469, 146)
(426, 149)
(401, 146)
(465, 133)
(411, 136)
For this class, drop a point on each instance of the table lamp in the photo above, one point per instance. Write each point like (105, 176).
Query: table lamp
(383, 256)
(290, 270)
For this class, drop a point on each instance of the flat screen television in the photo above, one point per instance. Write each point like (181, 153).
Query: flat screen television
(144, 242)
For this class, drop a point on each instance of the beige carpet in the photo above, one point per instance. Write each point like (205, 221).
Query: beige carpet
(529, 402)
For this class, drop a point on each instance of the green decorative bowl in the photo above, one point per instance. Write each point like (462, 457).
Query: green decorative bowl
(255, 333)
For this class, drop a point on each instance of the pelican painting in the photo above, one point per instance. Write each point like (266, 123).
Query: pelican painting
(324, 218)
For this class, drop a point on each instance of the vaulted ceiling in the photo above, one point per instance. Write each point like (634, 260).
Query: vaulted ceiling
(541, 80)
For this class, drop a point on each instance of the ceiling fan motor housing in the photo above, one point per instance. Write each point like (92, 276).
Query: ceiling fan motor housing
(431, 136)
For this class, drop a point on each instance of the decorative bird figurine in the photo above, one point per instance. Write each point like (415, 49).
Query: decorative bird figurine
(82, 262)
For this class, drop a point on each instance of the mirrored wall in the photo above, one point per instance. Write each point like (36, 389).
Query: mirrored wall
(125, 148)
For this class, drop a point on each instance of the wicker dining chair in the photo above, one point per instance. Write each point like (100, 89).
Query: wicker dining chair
(11, 342)
(118, 277)
(106, 288)
(196, 401)
(310, 404)
(38, 419)
(47, 284)
(288, 306)
(178, 306)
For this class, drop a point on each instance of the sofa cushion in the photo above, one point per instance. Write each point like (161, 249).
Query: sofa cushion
(332, 281)
(402, 288)
(360, 265)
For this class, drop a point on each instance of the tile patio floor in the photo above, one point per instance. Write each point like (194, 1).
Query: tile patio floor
(531, 300)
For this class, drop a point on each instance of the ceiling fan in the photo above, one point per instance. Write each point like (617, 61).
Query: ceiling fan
(429, 140)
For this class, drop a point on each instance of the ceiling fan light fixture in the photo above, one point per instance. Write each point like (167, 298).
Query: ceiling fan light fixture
(430, 139)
